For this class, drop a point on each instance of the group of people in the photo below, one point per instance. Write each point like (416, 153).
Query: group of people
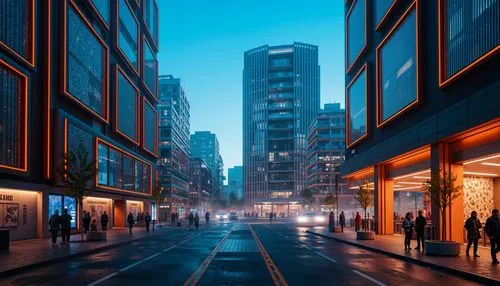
(492, 229)
(331, 221)
(60, 222)
(272, 216)
(90, 224)
(250, 214)
(419, 226)
(144, 217)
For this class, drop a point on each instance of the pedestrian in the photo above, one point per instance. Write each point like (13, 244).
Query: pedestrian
(331, 221)
(493, 231)
(408, 228)
(177, 217)
(357, 222)
(93, 226)
(274, 216)
(196, 221)
(420, 224)
(130, 221)
(472, 225)
(104, 221)
(54, 225)
(86, 221)
(207, 217)
(65, 226)
(342, 221)
(172, 217)
(147, 221)
(191, 220)
(271, 217)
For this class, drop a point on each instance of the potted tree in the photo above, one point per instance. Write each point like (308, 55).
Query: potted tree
(442, 191)
(157, 196)
(364, 196)
(78, 171)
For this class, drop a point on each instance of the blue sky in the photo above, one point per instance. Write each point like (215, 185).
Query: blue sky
(202, 42)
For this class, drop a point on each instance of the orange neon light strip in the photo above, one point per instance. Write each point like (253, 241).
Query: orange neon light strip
(380, 121)
(365, 46)
(23, 102)
(155, 152)
(106, 25)
(48, 121)
(137, 69)
(104, 117)
(387, 12)
(155, 93)
(30, 61)
(117, 110)
(348, 112)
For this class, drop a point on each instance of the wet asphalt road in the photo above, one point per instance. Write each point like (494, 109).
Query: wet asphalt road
(235, 253)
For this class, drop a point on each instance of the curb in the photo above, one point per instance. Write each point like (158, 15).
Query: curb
(12, 271)
(464, 274)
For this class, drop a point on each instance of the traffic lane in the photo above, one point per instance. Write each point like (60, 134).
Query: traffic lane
(175, 266)
(85, 269)
(383, 268)
(300, 266)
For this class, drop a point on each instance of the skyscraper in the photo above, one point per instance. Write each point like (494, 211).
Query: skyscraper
(204, 145)
(235, 181)
(173, 163)
(281, 97)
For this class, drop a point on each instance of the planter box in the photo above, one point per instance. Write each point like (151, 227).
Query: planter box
(96, 236)
(440, 248)
(365, 235)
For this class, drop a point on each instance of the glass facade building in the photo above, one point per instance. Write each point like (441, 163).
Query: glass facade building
(200, 186)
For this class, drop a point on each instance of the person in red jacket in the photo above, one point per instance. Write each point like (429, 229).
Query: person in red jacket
(357, 222)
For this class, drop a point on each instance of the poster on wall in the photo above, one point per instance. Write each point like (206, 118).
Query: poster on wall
(9, 214)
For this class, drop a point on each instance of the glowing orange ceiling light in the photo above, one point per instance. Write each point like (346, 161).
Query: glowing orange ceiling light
(412, 174)
(491, 164)
(481, 174)
(482, 159)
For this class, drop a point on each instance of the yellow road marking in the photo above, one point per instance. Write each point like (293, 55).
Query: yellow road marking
(273, 269)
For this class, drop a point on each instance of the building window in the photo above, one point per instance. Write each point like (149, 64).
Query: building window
(13, 122)
(127, 106)
(151, 18)
(128, 34)
(150, 68)
(397, 68)
(74, 136)
(382, 9)
(86, 64)
(150, 129)
(103, 9)
(469, 34)
(356, 108)
(17, 32)
(356, 32)
(59, 203)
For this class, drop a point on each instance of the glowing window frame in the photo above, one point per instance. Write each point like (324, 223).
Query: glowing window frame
(31, 60)
(143, 141)
(99, 15)
(137, 70)
(135, 141)
(157, 20)
(386, 14)
(365, 45)
(23, 119)
(380, 121)
(443, 81)
(143, 61)
(363, 69)
(105, 95)
(48, 90)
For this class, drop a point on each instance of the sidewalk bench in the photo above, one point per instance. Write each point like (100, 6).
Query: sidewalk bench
(96, 236)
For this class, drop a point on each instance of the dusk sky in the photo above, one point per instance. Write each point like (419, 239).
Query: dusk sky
(202, 42)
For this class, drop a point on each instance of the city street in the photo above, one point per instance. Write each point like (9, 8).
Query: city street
(234, 253)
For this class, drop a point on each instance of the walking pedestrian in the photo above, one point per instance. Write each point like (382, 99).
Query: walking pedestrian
(191, 220)
(54, 225)
(207, 217)
(420, 224)
(271, 217)
(130, 221)
(357, 222)
(177, 217)
(196, 221)
(65, 226)
(104, 221)
(331, 222)
(147, 221)
(172, 217)
(274, 216)
(408, 229)
(472, 225)
(493, 231)
(86, 221)
(342, 221)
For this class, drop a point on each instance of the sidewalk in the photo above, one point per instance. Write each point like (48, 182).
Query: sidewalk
(27, 254)
(479, 269)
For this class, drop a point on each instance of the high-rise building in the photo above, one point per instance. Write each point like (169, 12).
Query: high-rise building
(72, 77)
(200, 186)
(235, 181)
(281, 97)
(422, 101)
(173, 163)
(204, 145)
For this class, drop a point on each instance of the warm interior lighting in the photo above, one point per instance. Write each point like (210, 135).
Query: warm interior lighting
(409, 188)
(412, 174)
(482, 159)
(491, 164)
(422, 177)
(409, 183)
(481, 174)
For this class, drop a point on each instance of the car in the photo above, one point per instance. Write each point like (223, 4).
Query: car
(311, 219)
(233, 216)
(221, 216)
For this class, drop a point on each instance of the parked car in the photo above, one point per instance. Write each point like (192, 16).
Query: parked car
(233, 216)
(221, 216)
(311, 219)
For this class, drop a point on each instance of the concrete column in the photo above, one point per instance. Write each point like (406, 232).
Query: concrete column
(383, 202)
(454, 216)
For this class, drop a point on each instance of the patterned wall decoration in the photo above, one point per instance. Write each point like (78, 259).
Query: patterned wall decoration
(478, 196)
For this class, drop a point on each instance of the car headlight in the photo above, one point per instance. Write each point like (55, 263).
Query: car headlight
(319, 219)
(224, 216)
(301, 219)
(217, 216)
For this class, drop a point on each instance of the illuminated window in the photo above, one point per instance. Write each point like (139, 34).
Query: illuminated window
(127, 100)
(77, 136)
(128, 33)
(397, 68)
(356, 31)
(150, 128)
(356, 100)
(17, 30)
(103, 8)
(150, 68)
(151, 18)
(86, 64)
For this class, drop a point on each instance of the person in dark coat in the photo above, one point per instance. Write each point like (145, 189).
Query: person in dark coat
(342, 221)
(492, 229)
(65, 226)
(357, 222)
(147, 221)
(408, 229)
(130, 221)
(191, 220)
(86, 221)
(207, 217)
(54, 225)
(420, 224)
(104, 221)
(196, 221)
(172, 217)
(331, 221)
(472, 225)
(271, 217)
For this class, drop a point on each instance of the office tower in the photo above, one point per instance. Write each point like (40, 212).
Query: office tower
(200, 186)
(235, 181)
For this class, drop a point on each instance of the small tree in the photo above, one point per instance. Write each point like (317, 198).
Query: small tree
(442, 191)
(365, 198)
(330, 200)
(78, 171)
(157, 196)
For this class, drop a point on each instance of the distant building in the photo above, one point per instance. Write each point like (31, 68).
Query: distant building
(281, 97)
(173, 162)
(235, 181)
(200, 186)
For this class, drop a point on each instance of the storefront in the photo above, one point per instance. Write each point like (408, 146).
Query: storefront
(20, 213)
(98, 206)
(282, 207)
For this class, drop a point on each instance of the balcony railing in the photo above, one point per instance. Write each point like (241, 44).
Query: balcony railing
(281, 116)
